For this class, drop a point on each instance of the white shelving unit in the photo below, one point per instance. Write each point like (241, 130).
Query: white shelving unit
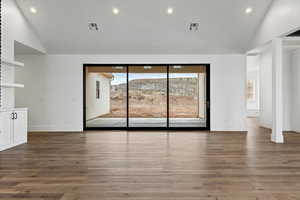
(12, 63)
(12, 85)
(13, 121)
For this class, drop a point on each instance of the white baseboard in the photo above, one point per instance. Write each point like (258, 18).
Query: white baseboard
(49, 128)
(270, 127)
(265, 126)
(297, 131)
(9, 146)
(229, 130)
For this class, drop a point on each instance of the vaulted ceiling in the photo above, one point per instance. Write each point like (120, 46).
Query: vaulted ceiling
(143, 26)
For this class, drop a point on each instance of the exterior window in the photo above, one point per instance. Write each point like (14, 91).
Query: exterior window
(97, 89)
(147, 96)
(251, 90)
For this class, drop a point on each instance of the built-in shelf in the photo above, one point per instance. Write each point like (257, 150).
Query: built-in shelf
(12, 63)
(12, 85)
(12, 109)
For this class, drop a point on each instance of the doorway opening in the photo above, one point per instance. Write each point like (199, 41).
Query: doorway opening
(253, 86)
(146, 96)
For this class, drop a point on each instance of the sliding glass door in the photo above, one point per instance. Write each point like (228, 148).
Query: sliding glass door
(187, 96)
(146, 96)
(106, 96)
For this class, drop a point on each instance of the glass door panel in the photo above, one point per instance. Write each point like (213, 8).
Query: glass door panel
(106, 96)
(147, 96)
(187, 96)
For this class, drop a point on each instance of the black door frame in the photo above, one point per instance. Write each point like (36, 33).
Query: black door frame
(207, 66)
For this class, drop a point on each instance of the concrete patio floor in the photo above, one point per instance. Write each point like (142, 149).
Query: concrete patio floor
(146, 122)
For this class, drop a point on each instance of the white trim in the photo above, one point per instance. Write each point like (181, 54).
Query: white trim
(12, 63)
(53, 128)
(12, 85)
(277, 90)
(13, 109)
(291, 47)
(9, 146)
(291, 39)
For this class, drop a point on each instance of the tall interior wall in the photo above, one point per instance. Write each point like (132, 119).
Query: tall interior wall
(290, 73)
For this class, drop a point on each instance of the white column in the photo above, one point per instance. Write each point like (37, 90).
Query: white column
(277, 99)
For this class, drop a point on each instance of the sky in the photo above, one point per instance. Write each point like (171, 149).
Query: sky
(120, 78)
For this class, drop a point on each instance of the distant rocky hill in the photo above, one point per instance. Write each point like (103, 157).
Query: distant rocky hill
(178, 86)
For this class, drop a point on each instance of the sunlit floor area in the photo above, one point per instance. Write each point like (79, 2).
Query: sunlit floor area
(146, 122)
(161, 165)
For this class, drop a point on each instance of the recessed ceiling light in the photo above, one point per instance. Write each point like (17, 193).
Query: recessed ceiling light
(33, 10)
(249, 10)
(116, 11)
(170, 11)
(177, 67)
(147, 67)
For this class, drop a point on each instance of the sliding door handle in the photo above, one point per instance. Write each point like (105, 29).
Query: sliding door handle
(208, 104)
(16, 115)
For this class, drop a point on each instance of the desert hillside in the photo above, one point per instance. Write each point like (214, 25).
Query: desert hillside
(148, 98)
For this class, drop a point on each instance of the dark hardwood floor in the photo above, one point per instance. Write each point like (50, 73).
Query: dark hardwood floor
(152, 165)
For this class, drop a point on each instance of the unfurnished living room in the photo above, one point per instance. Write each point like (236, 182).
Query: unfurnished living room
(140, 100)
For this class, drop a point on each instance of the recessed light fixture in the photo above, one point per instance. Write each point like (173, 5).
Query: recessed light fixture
(119, 67)
(147, 67)
(249, 10)
(116, 11)
(177, 67)
(170, 11)
(33, 10)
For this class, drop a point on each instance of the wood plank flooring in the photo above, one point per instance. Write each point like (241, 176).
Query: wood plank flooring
(152, 165)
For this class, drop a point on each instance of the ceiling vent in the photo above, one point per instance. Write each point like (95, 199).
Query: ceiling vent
(93, 26)
(194, 26)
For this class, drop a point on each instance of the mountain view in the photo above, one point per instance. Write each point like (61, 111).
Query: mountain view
(148, 98)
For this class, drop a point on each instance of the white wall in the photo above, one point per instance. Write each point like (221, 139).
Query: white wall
(283, 17)
(54, 92)
(296, 90)
(14, 28)
(253, 63)
(265, 117)
(287, 91)
(253, 104)
(97, 107)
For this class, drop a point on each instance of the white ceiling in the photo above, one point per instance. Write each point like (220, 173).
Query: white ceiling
(143, 27)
